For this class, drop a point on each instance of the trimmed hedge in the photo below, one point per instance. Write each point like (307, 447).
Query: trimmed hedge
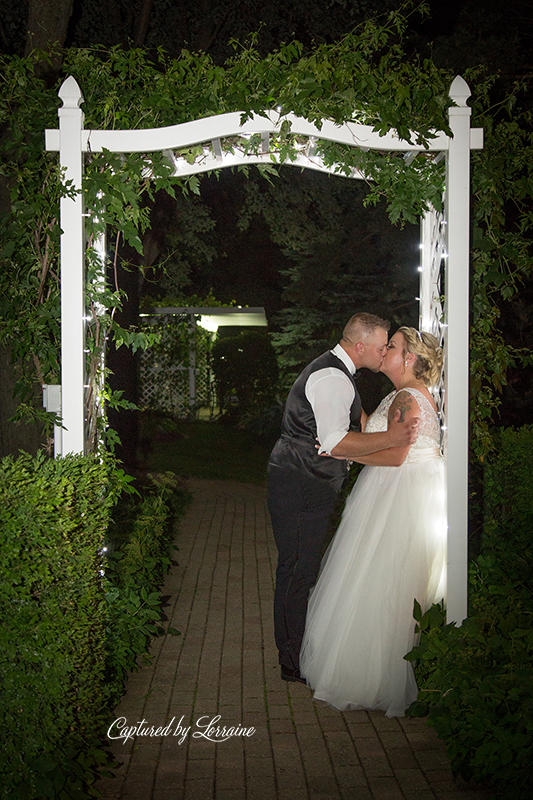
(66, 638)
(476, 680)
(53, 517)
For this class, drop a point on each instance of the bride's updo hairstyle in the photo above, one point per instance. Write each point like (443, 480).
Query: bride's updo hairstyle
(429, 358)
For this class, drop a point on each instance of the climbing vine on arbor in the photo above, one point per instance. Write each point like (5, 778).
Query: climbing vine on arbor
(367, 77)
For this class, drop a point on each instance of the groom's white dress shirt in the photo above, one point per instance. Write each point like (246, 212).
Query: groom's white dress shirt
(331, 394)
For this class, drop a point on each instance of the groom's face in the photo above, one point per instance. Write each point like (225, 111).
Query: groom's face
(375, 349)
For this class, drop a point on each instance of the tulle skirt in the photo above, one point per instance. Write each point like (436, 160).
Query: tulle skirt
(390, 548)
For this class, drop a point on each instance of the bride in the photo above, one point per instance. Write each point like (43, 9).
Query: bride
(390, 548)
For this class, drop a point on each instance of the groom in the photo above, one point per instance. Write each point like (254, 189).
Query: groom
(322, 405)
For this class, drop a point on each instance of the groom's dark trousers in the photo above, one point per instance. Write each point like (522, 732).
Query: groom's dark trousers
(302, 489)
(300, 508)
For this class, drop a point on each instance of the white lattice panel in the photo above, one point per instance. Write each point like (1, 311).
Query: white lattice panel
(432, 311)
(178, 387)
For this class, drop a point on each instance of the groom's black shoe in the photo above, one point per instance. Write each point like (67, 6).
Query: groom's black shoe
(291, 675)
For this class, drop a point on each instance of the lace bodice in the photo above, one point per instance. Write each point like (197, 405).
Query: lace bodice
(429, 432)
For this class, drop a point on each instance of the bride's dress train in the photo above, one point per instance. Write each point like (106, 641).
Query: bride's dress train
(390, 548)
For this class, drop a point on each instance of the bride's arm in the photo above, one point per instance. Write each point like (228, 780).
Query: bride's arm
(394, 456)
(400, 433)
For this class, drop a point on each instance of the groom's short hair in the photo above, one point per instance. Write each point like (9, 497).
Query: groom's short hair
(363, 324)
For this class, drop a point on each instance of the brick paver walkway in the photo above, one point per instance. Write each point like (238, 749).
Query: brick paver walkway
(222, 671)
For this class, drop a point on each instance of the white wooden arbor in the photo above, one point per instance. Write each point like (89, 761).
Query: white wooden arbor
(444, 243)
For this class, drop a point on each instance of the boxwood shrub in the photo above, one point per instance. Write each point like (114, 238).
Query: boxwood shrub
(73, 623)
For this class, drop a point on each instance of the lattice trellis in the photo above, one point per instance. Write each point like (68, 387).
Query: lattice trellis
(432, 291)
(175, 376)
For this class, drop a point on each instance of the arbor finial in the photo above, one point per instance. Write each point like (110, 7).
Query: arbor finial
(70, 93)
(459, 91)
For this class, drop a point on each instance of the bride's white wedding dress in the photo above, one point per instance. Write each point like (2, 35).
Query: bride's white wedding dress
(389, 549)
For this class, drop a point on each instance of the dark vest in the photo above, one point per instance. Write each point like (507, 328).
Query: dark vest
(295, 449)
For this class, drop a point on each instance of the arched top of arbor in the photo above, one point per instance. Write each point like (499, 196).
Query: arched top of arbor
(251, 139)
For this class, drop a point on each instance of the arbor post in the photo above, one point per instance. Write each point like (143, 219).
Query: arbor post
(72, 270)
(457, 201)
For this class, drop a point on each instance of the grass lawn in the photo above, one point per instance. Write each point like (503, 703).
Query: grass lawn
(208, 450)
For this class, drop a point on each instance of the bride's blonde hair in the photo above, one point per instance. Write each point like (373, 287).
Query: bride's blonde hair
(429, 356)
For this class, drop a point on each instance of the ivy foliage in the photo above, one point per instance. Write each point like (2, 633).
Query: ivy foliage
(502, 222)
(367, 76)
(139, 545)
